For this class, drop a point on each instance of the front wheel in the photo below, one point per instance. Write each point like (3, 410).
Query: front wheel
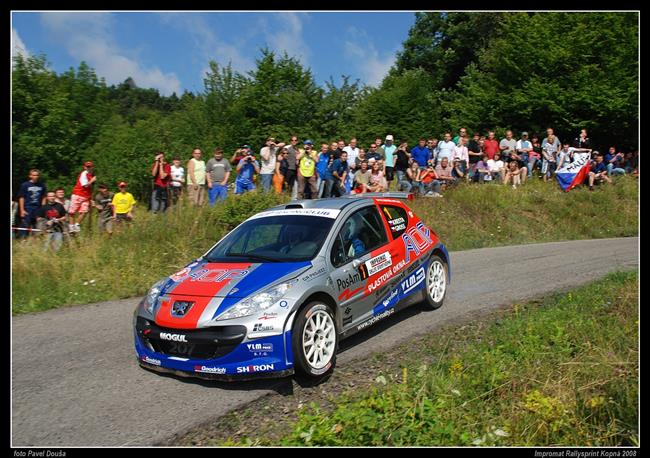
(436, 282)
(315, 340)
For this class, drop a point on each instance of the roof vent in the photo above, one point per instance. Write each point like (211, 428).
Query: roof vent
(293, 206)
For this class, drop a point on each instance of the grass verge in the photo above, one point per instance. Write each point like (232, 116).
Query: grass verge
(561, 371)
(95, 268)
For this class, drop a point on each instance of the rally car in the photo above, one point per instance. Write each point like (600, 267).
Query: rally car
(277, 294)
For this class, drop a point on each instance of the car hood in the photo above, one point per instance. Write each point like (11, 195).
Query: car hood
(233, 280)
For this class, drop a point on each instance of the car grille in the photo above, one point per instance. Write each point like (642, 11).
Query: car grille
(208, 343)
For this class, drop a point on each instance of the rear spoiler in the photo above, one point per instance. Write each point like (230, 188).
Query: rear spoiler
(390, 195)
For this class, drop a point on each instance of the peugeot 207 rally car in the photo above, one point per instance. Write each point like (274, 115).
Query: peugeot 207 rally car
(278, 293)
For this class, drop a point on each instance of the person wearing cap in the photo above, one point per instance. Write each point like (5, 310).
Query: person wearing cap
(81, 195)
(307, 171)
(246, 170)
(523, 148)
(238, 155)
(218, 175)
(161, 172)
(196, 178)
(389, 151)
(123, 203)
(268, 155)
(103, 202)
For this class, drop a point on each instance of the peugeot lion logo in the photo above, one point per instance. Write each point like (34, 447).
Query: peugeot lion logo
(180, 308)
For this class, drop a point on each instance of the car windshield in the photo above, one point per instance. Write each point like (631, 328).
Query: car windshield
(286, 238)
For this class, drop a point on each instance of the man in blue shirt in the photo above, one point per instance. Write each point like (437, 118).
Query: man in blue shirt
(31, 197)
(246, 170)
(335, 176)
(598, 171)
(421, 154)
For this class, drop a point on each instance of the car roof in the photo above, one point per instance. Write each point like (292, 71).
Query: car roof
(336, 203)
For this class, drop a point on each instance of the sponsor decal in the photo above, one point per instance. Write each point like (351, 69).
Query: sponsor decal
(254, 347)
(391, 299)
(255, 368)
(347, 294)
(218, 275)
(268, 316)
(412, 281)
(155, 362)
(350, 280)
(210, 370)
(313, 275)
(347, 320)
(322, 212)
(284, 304)
(378, 263)
(261, 327)
(348, 310)
(376, 318)
(380, 281)
(397, 225)
(388, 201)
(180, 308)
(416, 240)
(178, 276)
(173, 337)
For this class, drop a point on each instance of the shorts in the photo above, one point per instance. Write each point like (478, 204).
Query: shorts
(119, 217)
(78, 203)
(389, 173)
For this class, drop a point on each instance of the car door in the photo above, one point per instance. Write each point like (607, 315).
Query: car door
(360, 238)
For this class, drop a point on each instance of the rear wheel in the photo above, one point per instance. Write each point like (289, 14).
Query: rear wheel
(436, 282)
(315, 340)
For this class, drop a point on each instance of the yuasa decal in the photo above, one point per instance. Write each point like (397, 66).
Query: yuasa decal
(378, 263)
(260, 327)
(412, 281)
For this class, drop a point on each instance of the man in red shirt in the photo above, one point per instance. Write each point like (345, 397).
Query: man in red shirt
(491, 145)
(161, 171)
(81, 195)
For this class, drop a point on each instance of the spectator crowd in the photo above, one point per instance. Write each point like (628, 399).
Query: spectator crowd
(308, 171)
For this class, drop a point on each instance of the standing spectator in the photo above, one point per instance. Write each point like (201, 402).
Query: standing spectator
(323, 161)
(550, 132)
(103, 202)
(246, 170)
(336, 175)
(614, 162)
(377, 182)
(443, 170)
(31, 197)
(196, 178)
(380, 148)
(512, 174)
(430, 182)
(389, 161)
(307, 171)
(353, 153)
(402, 160)
(281, 168)
(523, 149)
(566, 154)
(373, 152)
(550, 149)
(123, 204)
(461, 156)
(421, 154)
(238, 155)
(413, 173)
(507, 146)
(161, 173)
(60, 198)
(268, 156)
(535, 156)
(177, 180)
(81, 195)
(475, 154)
(582, 141)
(496, 167)
(290, 177)
(51, 218)
(362, 178)
(446, 148)
(598, 172)
(491, 145)
(218, 173)
(462, 133)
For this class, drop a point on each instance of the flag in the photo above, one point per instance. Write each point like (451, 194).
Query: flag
(574, 173)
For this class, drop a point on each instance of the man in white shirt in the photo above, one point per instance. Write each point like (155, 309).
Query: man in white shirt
(268, 155)
(495, 166)
(446, 148)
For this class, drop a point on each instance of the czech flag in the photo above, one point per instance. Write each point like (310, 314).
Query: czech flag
(574, 173)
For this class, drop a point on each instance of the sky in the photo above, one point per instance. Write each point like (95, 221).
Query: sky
(170, 51)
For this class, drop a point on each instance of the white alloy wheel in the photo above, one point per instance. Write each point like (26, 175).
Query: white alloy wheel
(437, 281)
(319, 339)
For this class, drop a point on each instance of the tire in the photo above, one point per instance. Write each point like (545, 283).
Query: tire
(315, 340)
(436, 283)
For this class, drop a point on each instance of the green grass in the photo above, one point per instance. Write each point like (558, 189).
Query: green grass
(95, 268)
(562, 371)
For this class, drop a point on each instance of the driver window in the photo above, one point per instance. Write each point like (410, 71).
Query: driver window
(361, 233)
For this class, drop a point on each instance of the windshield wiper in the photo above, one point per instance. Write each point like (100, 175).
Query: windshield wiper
(253, 256)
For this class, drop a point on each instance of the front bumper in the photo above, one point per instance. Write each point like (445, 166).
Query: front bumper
(220, 353)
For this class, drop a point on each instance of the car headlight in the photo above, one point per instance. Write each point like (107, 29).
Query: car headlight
(257, 303)
(151, 299)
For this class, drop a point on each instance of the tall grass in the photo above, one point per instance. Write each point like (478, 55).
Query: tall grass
(94, 267)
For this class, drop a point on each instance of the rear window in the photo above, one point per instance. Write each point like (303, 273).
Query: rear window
(396, 218)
